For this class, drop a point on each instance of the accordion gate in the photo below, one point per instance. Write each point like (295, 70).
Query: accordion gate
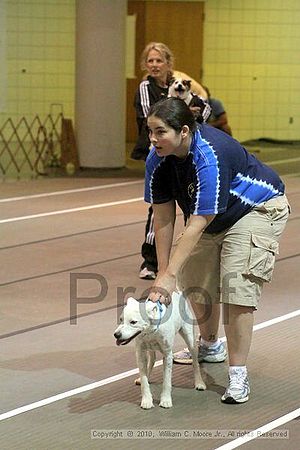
(30, 149)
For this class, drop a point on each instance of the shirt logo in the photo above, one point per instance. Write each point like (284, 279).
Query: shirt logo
(191, 190)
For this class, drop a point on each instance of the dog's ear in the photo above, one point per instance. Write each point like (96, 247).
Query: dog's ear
(171, 81)
(131, 301)
(187, 83)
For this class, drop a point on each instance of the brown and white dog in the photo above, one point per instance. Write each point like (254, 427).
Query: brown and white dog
(181, 88)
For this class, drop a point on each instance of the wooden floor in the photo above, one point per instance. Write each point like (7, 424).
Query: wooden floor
(71, 246)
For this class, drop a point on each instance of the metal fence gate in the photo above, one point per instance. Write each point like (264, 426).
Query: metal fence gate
(29, 149)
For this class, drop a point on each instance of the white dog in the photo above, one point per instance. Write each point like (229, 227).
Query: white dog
(153, 326)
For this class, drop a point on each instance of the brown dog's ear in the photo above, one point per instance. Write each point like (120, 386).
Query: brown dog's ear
(171, 81)
(187, 83)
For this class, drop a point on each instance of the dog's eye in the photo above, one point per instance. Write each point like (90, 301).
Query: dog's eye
(133, 322)
(121, 320)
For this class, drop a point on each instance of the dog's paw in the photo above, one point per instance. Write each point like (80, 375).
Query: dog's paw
(147, 403)
(200, 386)
(166, 402)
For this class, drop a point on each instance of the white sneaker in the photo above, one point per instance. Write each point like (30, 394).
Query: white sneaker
(205, 354)
(182, 357)
(238, 390)
(214, 355)
(147, 274)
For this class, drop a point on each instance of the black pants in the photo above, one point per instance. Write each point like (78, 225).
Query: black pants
(148, 248)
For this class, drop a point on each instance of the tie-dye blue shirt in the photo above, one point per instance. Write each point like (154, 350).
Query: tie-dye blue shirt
(217, 177)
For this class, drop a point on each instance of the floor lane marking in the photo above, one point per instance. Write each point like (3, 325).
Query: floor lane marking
(70, 191)
(261, 430)
(71, 210)
(120, 376)
(283, 161)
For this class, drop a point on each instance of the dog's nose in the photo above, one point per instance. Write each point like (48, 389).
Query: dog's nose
(117, 334)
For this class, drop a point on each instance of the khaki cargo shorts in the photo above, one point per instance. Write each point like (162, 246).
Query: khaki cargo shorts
(231, 266)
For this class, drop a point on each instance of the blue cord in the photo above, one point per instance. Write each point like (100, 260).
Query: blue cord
(160, 309)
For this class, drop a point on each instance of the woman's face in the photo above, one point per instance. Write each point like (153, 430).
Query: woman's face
(157, 66)
(166, 140)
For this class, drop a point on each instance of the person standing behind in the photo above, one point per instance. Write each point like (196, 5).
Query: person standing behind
(218, 117)
(157, 61)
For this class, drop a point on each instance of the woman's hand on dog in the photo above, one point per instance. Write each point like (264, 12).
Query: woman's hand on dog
(163, 288)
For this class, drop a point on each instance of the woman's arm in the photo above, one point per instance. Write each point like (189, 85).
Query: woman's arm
(142, 104)
(164, 221)
(219, 121)
(142, 100)
(166, 280)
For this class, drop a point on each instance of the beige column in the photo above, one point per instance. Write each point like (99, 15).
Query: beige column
(100, 82)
